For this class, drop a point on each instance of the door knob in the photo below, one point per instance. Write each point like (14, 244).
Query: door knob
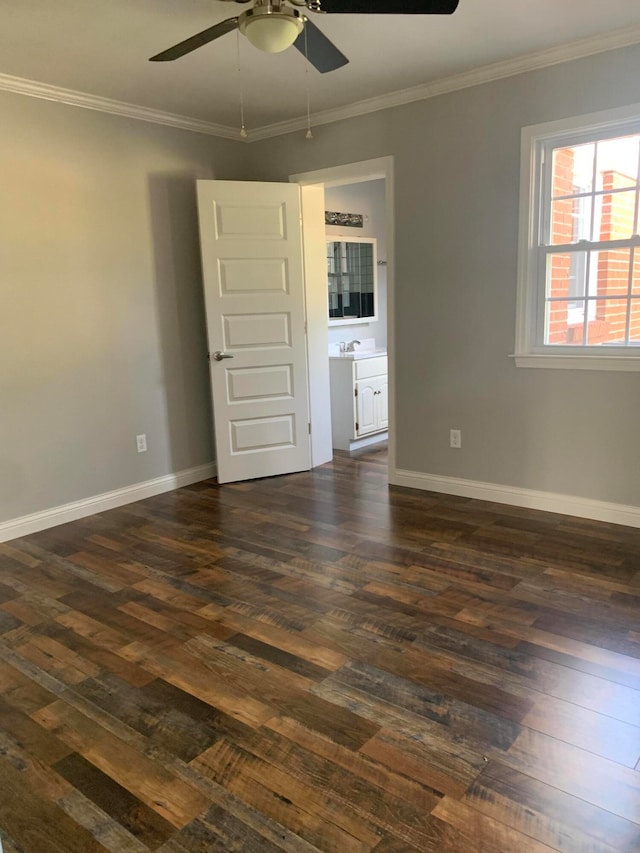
(218, 356)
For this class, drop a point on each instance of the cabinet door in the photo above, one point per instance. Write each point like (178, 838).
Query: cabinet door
(366, 406)
(382, 403)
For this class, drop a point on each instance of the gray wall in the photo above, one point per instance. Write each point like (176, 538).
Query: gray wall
(366, 198)
(457, 174)
(102, 331)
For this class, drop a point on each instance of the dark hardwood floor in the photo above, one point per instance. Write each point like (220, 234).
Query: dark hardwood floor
(320, 663)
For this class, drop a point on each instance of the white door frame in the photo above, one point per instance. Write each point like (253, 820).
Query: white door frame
(354, 173)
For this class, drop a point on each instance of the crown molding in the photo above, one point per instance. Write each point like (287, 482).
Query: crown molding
(475, 77)
(44, 91)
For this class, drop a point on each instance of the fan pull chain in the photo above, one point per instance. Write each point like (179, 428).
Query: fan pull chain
(243, 130)
(309, 134)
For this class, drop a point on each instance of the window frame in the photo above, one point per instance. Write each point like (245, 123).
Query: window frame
(537, 141)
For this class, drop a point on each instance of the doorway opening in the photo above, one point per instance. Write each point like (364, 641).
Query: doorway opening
(367, 185)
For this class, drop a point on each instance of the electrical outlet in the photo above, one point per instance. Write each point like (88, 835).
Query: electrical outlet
(455, 438)
(141, 443)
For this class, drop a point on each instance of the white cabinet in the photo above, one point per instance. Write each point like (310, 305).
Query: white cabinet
(359, 400)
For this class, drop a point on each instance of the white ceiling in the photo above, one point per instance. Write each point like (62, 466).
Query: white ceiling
(101, 47)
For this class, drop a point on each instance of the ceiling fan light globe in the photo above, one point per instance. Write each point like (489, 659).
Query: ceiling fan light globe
(272, 33)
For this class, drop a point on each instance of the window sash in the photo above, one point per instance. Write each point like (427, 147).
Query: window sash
(541, 210)
(587, 248)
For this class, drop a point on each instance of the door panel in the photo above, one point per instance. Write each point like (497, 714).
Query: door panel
(257, 275)
(256, 331)
(259, 383)
(251, 240)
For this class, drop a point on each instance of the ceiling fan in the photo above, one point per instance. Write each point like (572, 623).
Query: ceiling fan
(274, 25)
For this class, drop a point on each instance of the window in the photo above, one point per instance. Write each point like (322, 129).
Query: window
(579, 253)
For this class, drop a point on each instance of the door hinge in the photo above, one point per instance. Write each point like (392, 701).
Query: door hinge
(355, 393)
(357, 426)
(309, 429)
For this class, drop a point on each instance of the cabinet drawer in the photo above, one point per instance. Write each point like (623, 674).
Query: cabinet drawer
(368, 367)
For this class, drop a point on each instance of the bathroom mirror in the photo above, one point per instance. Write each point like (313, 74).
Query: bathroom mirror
(352, 267)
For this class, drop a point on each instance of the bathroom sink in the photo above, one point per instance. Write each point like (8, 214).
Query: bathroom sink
(360, 354)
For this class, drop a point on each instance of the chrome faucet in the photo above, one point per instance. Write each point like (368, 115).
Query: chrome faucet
(342, 346)
(351, 346)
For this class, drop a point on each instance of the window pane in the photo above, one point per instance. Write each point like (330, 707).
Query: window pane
(617, 163)
(564, 322)
(566, 275)
(570, 220)
(635, 284)
(609, 273)
(572, 170)
(615, 216)
(607, 322)
(634, 329)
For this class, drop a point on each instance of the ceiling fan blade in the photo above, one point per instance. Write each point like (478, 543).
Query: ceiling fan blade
(196, 41)
(390, 7)
(321, 53)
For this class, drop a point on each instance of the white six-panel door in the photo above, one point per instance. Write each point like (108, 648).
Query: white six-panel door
(252, 254)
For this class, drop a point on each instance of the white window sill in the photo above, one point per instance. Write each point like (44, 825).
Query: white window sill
(577, 362)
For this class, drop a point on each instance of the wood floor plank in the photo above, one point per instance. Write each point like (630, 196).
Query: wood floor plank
(169, 718)
(444, 772)
(168, 796)
(486, 830)
(128, 811)
(459, 717)
(548, 814)
(384, 799)
(190, 675)
(284, 640)
(111, 834)
(238, 769)
(593, 732)
(37, 823)
(598, 781)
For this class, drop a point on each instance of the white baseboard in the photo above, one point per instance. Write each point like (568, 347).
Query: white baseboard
(530, 498)
(99, 503)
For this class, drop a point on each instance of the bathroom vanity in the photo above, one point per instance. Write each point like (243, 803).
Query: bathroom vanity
(359, 398)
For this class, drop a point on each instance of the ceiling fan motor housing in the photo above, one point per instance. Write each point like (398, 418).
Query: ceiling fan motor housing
(271, 27)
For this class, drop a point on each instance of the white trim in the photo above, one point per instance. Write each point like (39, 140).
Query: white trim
(35, 89)
(589, 46)
(352, 173)
(99, 503)
(577, 362)
(475, 77)
(582, 124)
(514, 496)
(347, 173)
